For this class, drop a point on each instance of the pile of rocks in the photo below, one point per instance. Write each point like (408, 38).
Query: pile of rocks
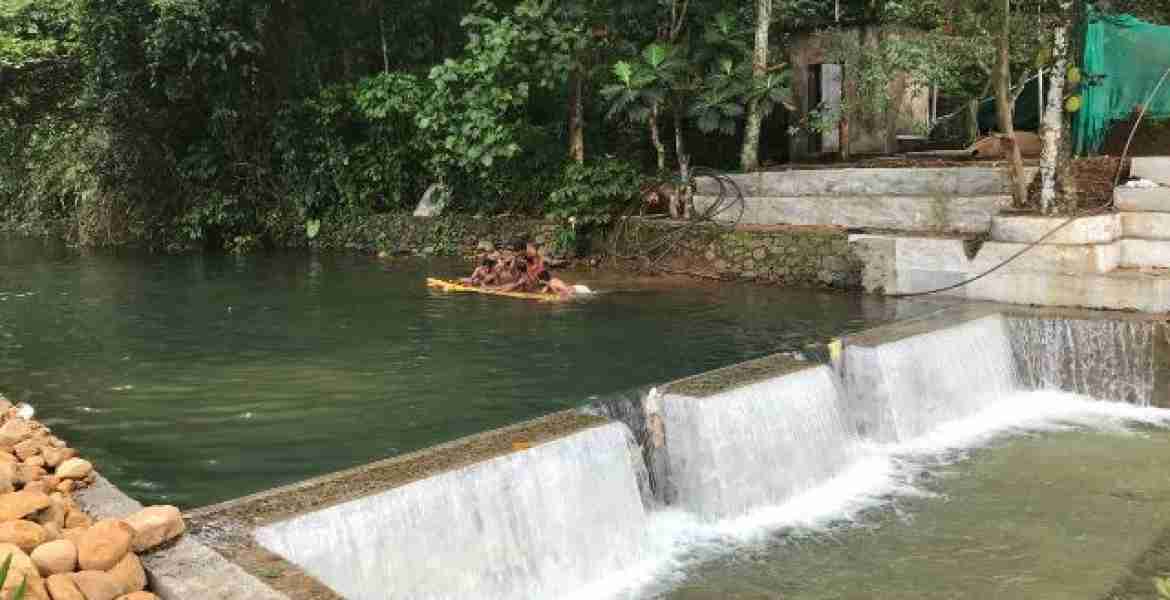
(57, 550)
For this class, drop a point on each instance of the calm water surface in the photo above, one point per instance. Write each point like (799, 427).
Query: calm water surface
(196, 379)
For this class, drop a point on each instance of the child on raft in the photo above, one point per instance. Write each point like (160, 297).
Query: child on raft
(521, 270)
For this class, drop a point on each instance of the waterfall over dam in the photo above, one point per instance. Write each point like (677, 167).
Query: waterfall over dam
(755, 445)
(582, 508)
(535, 524)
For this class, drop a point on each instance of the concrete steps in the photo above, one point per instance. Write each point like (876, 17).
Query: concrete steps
(1142, 199)
(1145, 253)
(1154, 168)
(1145, 225)
(1026, 229)
(1061, 275)
(964, 214)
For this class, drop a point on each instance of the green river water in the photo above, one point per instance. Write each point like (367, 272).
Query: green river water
(196, 379)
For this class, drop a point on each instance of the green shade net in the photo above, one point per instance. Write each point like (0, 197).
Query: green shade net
(1125, 58)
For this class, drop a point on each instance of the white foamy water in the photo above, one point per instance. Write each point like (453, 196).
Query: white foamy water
(534, 524)
(723, 450)
(946, 375)
(1110, 360)
(879, 472)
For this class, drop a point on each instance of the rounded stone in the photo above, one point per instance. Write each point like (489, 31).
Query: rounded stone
(61, 587)
(21, 568)
(154, 525)
(138, 596)
(55, 456)
(75, 519)
(74, 468)
(26, 535)
(59, 556)
(103, 545)
(17, 505)
(97, 585)
(129, 574)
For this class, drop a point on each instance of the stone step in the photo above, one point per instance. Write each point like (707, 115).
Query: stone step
(1070, 258)
(951, 255)
(962, 214)
(945, 181)
(908, 265)
(1145, 225)
(1026, 229)
(1154, 168)
(1142, 199)
(1145, 253)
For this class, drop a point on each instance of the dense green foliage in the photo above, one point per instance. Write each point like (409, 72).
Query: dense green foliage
(188, 123)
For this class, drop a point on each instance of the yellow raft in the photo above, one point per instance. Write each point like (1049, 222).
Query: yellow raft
(454, 286)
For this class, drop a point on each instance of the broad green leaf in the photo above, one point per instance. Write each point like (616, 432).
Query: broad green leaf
(623, 71)
(655, 54)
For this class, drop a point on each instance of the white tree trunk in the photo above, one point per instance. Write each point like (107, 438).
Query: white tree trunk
(1052, 124)
(750, 155)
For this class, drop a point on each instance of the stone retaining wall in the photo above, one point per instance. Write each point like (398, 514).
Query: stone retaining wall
(796, 256)
(787, 255)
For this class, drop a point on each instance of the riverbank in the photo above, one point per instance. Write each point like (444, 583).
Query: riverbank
(58, 550)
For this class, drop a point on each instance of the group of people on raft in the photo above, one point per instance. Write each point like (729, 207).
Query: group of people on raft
(518, 269)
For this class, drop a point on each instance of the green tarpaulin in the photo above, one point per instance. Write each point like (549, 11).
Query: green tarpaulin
(1124, 59)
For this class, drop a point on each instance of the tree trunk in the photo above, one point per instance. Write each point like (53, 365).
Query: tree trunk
(750, 155)
(1005, 102)
(684, 166)
(656, 138)
(576, 116)
(382, 30)
(1052, 125)
(894, 111)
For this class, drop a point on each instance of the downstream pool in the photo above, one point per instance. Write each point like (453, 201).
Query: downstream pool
(195, 379)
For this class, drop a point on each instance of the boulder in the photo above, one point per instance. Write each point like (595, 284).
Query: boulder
(103, 545)
(138, 596)
(74, 468)
(28, 473)
(97, 585)
(55, 513)
(17, 505)
(56, 456)
(61, 587)
(75, 519)
(29, 448)
(154, 525)
(26, 535)
(129, 574)
(433, 202)
(35, 461)
(21, 569)
(14, 432)
(55, 557)
(36, 486)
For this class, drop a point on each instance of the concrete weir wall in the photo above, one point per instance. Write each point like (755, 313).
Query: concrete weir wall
(537, 509)
(552, 506)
